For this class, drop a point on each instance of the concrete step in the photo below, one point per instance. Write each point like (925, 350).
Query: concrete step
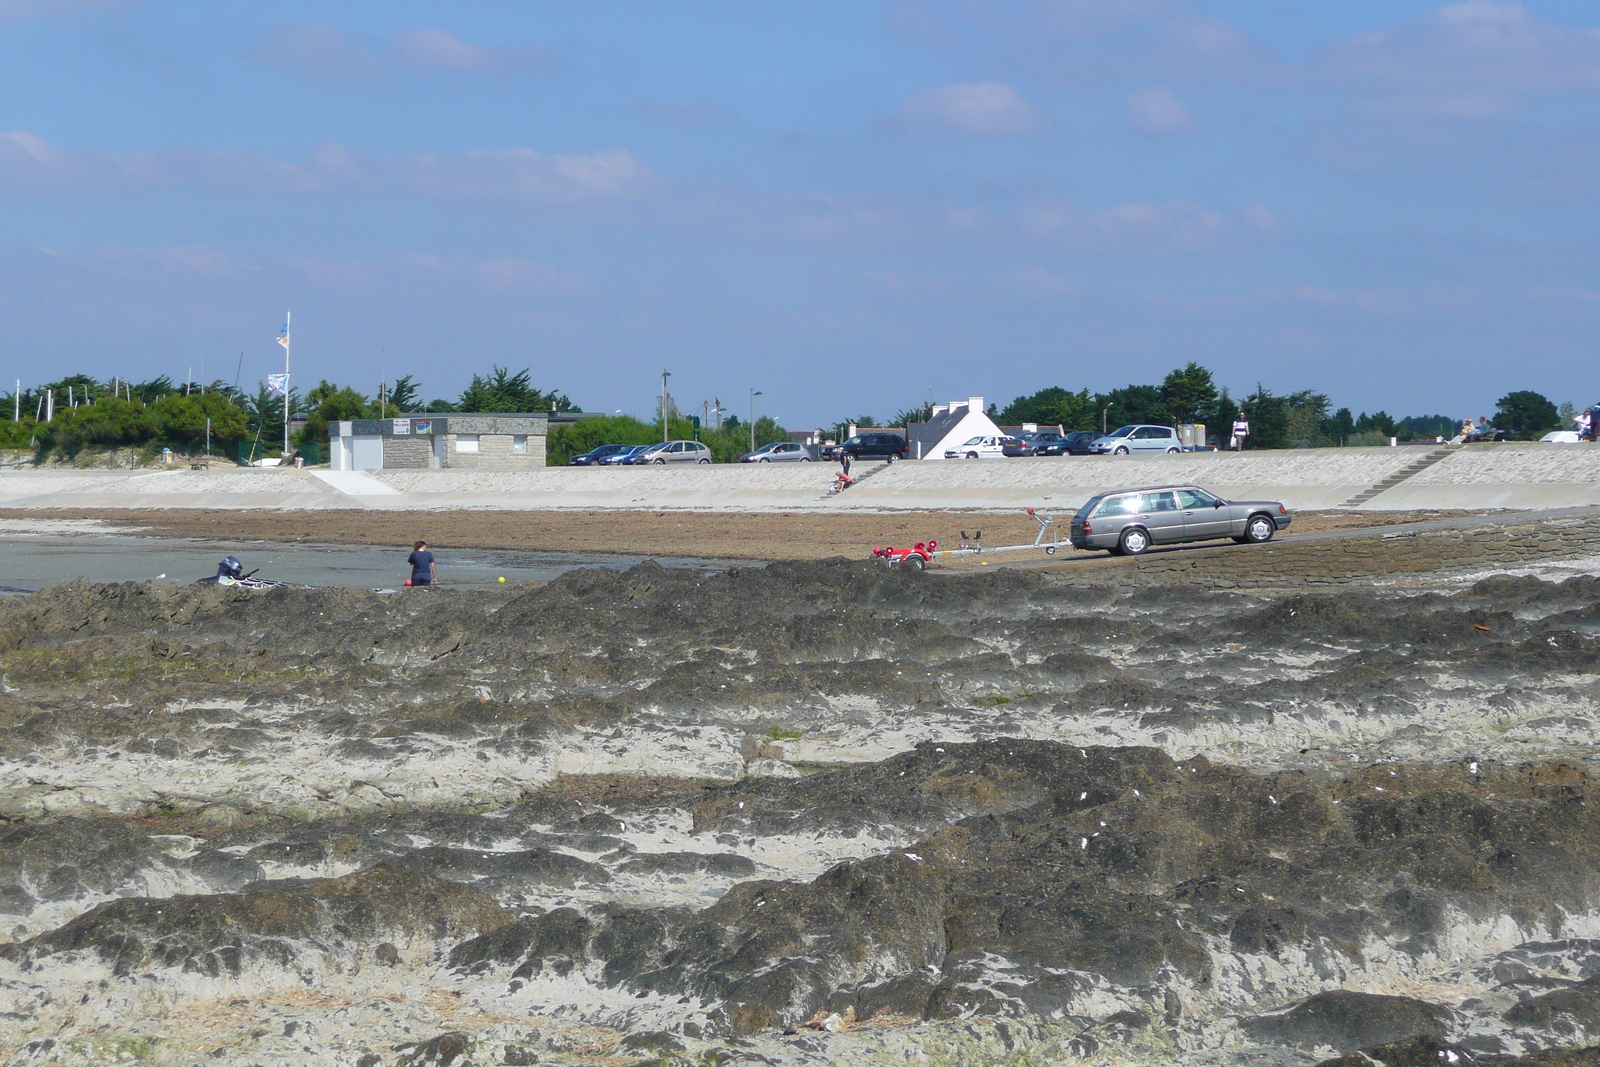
(1405, 473)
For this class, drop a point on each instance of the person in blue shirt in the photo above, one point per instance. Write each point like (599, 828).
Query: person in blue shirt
(423, 570)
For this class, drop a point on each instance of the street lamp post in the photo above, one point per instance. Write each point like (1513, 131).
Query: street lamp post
(753, 394)
(664, 431)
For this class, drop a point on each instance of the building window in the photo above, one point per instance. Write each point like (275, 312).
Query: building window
(519, 442)
(466, 442)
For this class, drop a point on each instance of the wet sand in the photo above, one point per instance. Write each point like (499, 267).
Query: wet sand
(636, 533)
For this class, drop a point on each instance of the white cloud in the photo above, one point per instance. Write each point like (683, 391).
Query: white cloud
(325, 51)
(980, 109)
(1175, 226)
(1473, 60)
(1156, 110)
(32, 165)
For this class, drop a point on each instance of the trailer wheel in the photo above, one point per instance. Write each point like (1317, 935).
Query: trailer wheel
(1049, 550)
(914, 562)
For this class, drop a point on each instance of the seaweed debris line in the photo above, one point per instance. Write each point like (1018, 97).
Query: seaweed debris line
(807, 813)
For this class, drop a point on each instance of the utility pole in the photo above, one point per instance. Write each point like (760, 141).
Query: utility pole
(753, 394)
(286, 336)
(664, 433)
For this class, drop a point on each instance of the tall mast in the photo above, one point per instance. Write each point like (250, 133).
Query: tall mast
(288, 336)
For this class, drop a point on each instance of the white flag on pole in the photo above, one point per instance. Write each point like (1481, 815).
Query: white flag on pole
(278, 383)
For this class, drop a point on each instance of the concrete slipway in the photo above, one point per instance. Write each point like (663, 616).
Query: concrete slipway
(1518, 476)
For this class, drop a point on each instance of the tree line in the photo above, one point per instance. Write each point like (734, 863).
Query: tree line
(1190, 394)
(149, 414)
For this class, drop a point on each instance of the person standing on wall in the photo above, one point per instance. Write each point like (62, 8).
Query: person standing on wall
(1241, 430)
(423, 570)
(1594, 422)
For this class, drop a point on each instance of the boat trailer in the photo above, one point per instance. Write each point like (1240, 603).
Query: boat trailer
(921, 554)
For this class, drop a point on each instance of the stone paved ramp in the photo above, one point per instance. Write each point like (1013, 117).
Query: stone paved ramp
(1523, 476)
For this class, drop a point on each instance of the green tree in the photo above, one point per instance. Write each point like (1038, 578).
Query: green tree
(1307, 411)
(326, 404)
(1221, 415)
(911, 415)
(576, 438)
(1189, 393)
(1269, 419)
(108, 421)
(1422, 427)
(1131, 404)
(182, 419)
(1526, 415)
(502, 391)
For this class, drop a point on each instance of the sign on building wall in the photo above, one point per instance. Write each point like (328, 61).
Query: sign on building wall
(402, 426)
(423, 426)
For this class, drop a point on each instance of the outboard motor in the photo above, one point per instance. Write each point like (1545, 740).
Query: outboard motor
(230, 567)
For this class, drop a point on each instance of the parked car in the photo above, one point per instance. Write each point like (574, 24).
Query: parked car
(1125, 522)
(1031, 443)
(594, 456)
(674, 452)
(987, 446)
(1137, 438)
(618, 459)
(778, 452)
(1075, 443)
(885, 446)
(1562, 437)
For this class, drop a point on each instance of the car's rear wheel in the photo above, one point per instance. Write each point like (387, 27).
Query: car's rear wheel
(1258, 529)
(1133, 542)
(708, 461)
(1170, 451)
(892, 457)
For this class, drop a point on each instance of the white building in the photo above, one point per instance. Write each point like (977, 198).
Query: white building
(952, 424)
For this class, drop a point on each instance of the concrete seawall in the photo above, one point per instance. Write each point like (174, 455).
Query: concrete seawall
(1521, 476)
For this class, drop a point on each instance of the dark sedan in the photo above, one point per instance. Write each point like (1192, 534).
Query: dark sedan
(595, 456)
(885, 446)
(1031, 443)
(1075, 443)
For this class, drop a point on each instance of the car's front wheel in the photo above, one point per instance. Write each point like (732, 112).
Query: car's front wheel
(1120, 450)
(972, 455)
(660, 461)
(1133, 542)
(763, 459)
(1258, 530)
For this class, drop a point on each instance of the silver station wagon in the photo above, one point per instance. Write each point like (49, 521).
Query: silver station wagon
(1125, 522)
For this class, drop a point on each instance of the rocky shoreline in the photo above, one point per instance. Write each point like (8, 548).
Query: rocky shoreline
(806, 813)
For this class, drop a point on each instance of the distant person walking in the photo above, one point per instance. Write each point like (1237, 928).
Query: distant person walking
(1241, 430)
(423, 570)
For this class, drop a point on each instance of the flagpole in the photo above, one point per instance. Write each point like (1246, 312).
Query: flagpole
(288, 339)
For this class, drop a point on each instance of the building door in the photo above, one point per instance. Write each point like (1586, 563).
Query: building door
(367, 453)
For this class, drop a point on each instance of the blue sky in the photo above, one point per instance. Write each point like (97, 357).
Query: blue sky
(852, 207)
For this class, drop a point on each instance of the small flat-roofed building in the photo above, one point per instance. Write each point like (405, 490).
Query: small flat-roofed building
(467, 441)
